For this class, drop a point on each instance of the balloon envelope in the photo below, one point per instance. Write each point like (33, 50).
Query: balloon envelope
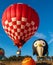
(28, 61)
(40, 47)
(20, 22)
(1, 53)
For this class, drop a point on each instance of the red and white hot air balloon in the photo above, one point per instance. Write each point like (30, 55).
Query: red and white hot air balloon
(20, 22)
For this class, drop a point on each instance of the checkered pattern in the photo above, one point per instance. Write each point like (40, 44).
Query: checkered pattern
(24, 31)
(19, 30)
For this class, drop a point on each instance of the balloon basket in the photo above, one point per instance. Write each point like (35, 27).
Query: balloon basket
(19, 52)
(43, 58)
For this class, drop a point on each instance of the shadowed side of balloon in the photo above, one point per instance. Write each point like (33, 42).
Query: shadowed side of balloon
(19, 44)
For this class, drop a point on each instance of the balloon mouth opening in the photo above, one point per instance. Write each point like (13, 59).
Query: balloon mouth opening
(19, 43)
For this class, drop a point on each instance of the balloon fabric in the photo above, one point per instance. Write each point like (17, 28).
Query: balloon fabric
(20, 22)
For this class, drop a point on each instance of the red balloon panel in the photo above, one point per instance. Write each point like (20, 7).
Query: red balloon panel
(1, 52)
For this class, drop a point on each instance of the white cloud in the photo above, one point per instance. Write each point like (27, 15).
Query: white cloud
(43, 36)
(51, 41)
(51, 36)
(40, 35)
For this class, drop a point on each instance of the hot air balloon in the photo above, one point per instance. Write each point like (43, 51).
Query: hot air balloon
(28, 61)
(1, 53)
(20, 22)
(40, 47)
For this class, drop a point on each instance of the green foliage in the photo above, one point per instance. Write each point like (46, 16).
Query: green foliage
(15, 58)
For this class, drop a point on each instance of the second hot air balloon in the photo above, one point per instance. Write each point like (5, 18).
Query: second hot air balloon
(40, 47)
(2, 53)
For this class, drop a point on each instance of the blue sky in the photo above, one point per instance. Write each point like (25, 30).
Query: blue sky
(44, 9)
